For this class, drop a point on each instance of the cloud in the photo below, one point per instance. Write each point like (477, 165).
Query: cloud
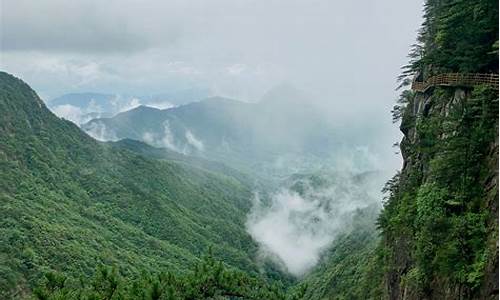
(298, 223)
(236, 69)
(69, 112)
(83, 27)
(77, 114)
(347, 54)
(129, 104)
(194, 141)
(160, 104)
(240, 49)
(100, 132)
(165, 139)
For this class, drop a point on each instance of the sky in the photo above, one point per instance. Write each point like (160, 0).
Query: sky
(347, 54)
(237, 48)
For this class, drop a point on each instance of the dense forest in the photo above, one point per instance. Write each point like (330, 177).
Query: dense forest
(439, 223)
(83, 219)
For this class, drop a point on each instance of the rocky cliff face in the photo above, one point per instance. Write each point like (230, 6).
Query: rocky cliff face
(440, 223)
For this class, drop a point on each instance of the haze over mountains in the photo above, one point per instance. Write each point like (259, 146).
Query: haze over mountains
(285, 132)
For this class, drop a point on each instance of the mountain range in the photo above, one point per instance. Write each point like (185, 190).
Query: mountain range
(266, 136)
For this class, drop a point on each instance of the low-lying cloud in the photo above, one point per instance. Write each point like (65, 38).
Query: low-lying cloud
(100, 132)
(194, 141)
(298, 223)
(167, 139)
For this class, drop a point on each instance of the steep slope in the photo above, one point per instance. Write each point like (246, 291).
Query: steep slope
(69, 203)
(350, 269)
(440, 222)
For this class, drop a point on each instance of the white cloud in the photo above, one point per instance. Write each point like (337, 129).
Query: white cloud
(76, 114)
(194, 141)
(69, 112)
(130, 104)
(295, 229)
(160, 104)
(100, 132)
(237, 48)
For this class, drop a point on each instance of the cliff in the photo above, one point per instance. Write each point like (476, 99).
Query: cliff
(440, 219)
(440, 224)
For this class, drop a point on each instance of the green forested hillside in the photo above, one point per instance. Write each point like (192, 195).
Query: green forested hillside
(440, 221)
(70, 203)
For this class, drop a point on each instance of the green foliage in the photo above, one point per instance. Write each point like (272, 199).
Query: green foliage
(456, 36)
(398, 110)
(437, 222)
(437, 206)
(209, 279)
(70, 204)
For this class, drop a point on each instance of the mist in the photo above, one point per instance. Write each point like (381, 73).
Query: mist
(295, 225)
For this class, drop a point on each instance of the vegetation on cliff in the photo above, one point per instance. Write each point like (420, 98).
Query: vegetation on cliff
(439, 223)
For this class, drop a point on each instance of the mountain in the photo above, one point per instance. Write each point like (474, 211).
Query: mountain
(192, 161)
(70, 203)
(82, 107)
(253, 136)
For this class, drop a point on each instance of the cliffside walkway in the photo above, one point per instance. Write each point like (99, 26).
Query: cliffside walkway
(456, 79)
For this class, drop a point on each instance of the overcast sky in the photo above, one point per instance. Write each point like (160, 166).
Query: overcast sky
(237, 48)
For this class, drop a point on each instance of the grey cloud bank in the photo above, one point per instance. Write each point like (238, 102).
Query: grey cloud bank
(237, 48)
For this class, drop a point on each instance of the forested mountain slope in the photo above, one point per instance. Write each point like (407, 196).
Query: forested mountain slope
(440, 222)
(70, 203)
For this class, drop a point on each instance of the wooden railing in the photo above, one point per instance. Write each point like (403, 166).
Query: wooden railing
(456, 79)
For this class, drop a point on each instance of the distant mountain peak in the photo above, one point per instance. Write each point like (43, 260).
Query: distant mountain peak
(144, 108)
